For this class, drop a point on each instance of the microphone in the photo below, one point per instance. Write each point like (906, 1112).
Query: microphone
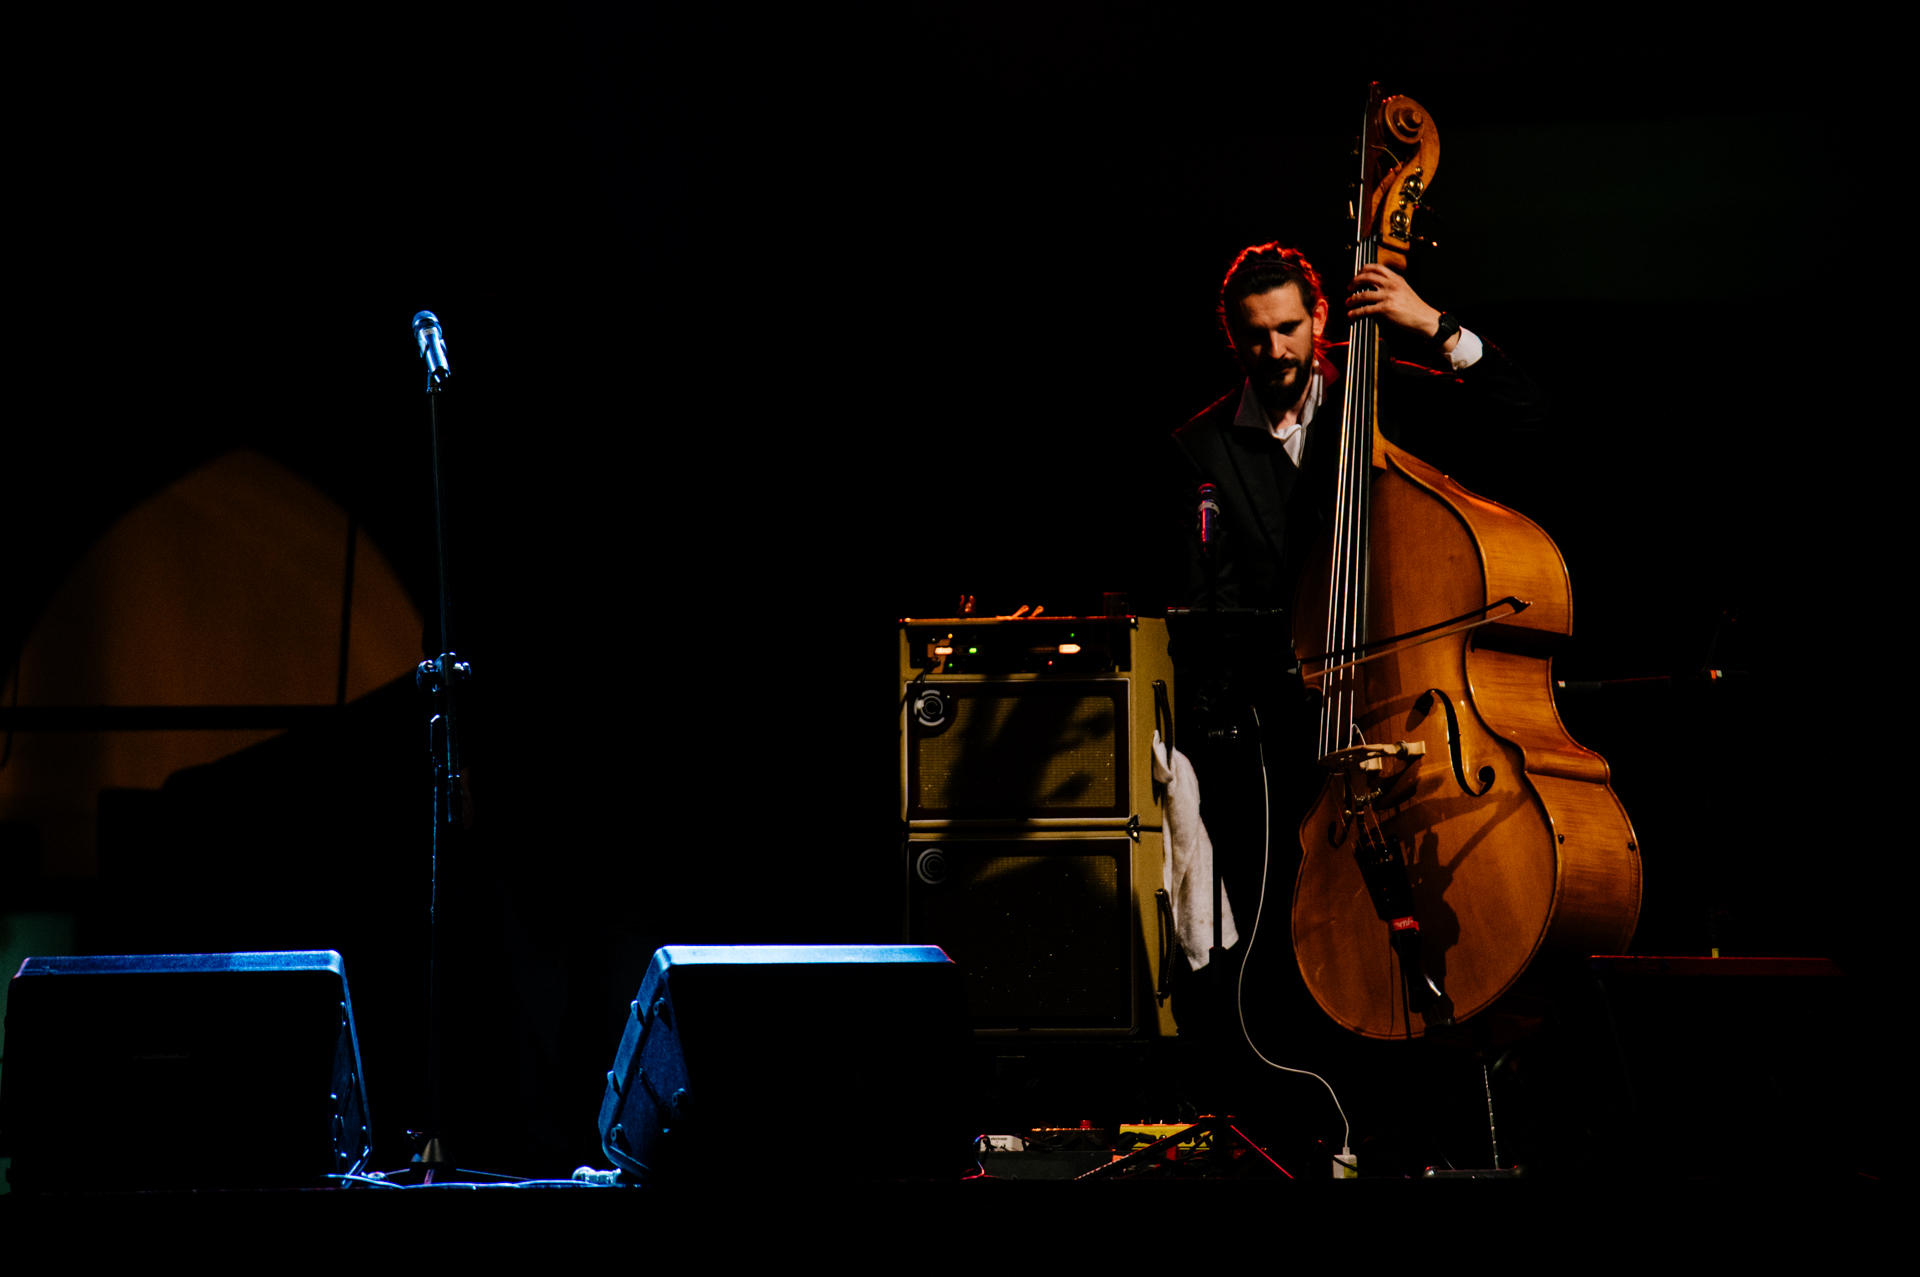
(433, 348)
(1209, 518)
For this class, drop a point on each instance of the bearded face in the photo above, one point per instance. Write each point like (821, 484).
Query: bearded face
(1273, 335)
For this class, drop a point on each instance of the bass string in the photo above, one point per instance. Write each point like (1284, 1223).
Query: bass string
(1336, 588)
(1334, 592)
(1354, 578)
(1361, 486)
(1328, 695)
(1360, 459)
(1347, 581)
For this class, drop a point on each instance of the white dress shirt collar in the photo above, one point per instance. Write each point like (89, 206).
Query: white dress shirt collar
(1291, 429)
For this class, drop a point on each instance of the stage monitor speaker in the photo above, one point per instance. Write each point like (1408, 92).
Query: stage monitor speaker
(1034, 831)
(181, 1071)
(758, 1060)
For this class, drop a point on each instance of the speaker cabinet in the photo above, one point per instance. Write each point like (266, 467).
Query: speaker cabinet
(1033, 849)
(212, 1070)
(735, 1052)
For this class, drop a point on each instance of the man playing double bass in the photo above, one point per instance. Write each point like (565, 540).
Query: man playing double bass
(1268, 447)
(1269, 450)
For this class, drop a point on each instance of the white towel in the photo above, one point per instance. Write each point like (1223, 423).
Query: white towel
(1186, 864)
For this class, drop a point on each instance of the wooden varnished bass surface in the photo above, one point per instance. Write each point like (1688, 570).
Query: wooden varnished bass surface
(1545, 862)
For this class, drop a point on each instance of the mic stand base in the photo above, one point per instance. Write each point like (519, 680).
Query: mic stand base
(431, 1154)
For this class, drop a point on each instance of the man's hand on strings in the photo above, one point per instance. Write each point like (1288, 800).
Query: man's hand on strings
(1378, 292)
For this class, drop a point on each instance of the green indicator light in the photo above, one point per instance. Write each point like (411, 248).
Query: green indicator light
(973, 651)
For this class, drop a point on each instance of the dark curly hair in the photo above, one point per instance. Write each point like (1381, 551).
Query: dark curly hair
(1263, 268)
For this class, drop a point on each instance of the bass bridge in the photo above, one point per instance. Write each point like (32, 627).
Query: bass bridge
(1364, 768)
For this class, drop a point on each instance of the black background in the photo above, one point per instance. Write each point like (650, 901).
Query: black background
(766, 334)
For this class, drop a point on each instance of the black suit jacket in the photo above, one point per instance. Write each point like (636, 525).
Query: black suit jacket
(1273, 511)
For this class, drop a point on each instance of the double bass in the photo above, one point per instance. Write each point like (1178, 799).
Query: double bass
(1462, 837)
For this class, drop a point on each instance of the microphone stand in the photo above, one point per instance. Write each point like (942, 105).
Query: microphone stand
(440, 678)
(1215, 954)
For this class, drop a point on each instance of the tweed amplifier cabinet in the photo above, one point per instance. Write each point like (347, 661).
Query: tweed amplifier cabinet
(1033, 848)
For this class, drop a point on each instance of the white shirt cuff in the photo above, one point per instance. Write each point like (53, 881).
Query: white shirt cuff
(1466, 352)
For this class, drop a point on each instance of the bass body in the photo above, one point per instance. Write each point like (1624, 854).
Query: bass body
(1454, 761)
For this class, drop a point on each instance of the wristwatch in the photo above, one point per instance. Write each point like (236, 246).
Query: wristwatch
(1448, 327)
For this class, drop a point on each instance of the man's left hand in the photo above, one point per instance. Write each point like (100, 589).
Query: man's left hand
(1378, 292)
